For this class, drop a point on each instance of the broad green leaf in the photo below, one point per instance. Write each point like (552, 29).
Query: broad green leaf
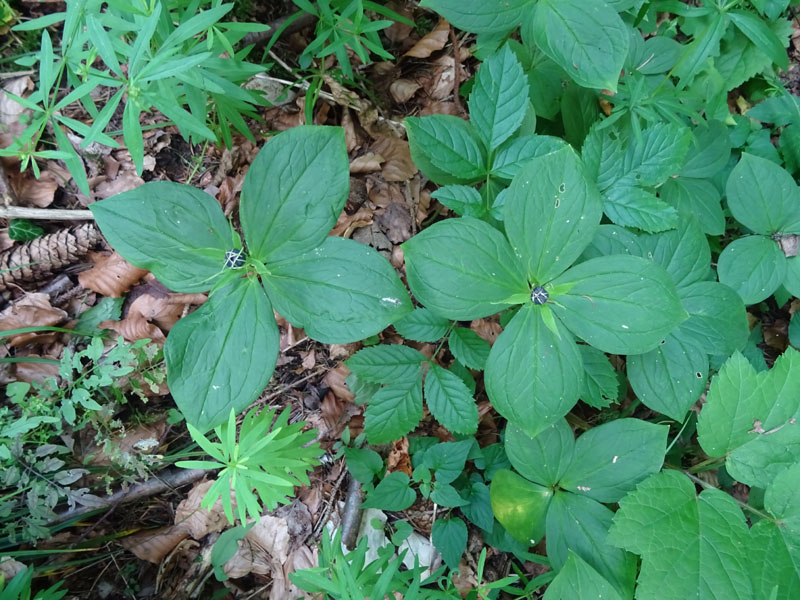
(392, 493)
(386, 363)
(469, 348)
(619, 304)
(551, 213)
(515, 153)
(717, 322)
(783, 502)
(544, 458)
(479, 507)
(221, 356)
(363, 463)
(446, 149)
(477, 16)
(611, 459)
(683, 252)
(450, 401)
(670, 378)
(450, 538)
(394, 410)
(520, 505)
(601, 154)
(461, 199)
(581, 524)
(447, 459)
(600, 383)
(463, 269)
(779, 110)
(752, 419)
(613, 239)
(175, 231)
(794, 331)
(533, 377)
(632, 206)
(705, 43)
(658, 154)
(754, 266)
(446, 495)
(294, 191)
(422, 325)
(763, 197)
(698, 198)
(577, 579)
(709, 152)
(761, 35)
(340, 292)
(674, 530)
(499, 98)
(586, 38)
(578, 112)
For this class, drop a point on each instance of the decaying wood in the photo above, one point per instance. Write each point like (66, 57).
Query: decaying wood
(48, 214)
(40, 258)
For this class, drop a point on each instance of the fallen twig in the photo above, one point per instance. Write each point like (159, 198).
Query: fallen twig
(49, 214)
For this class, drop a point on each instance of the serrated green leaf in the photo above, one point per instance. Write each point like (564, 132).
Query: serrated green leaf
(544, 458)
(520, 505)
(392, 493)
(386, 363)
(450, 538)
(478, 17)
(446, 149)
(659, 153)
(394, 410)
(532, 376)
(666, 523)
(168, 229)
(422, 325)
(754, 266)
(469, 348)
(632, 206)
(340, 292)
(551, 213)
(23, 230)
(463, 269)
(450, 401)
(683, 252)
(222, 355)
(619, 304)
(284, 182)
(609, 460)
(600, 383)
(577, 579)
(601, 154)
(499, 98)
(514, 153)
(562, 30)
(670, 378)
(763, 197)
(461, 199)
(717, 322)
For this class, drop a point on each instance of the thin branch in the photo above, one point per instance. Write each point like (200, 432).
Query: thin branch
(49, 214)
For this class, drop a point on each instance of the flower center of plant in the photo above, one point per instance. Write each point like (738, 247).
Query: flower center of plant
(234, 258)
(539, 295)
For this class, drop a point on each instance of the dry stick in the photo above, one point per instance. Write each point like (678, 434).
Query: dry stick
(172, 479)
(351, 515)
(456, 69)
(259, 37)
(50, 214)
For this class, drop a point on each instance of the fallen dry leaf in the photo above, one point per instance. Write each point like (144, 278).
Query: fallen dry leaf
(402, 90)
(111, 275)
(776, 335)
(31, 191)
(135, 328)
(197, 521)
(489, 329)
(432, 42)
(396, 223)
(38, 372)
(10, 109)
(397, 165)
(368, 163)
(122, 182)
(346, 224)
(399, 459)
(154, 545)
(33, 309)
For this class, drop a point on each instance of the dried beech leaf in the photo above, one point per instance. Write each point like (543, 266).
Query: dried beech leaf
(432, 42)
(30, 372)
(263, 550)
(367, 163)
(123, 182)
(33, 309)
(10, 109)
(111, 276)
(31, 191)
(153, 545)
(334, 379)
(197, 521)
(135, 328)
(403, 90)
(398, 165)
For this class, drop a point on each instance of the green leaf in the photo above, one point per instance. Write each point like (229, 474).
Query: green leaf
(752, 419)
(394, 410)
(754, 266)
(533, 377)
(294, 191)
(705, 43)
(479, 507)
(698, 198)
(552, 211)
(581, 524)
(422, 325)
(175, 231)
(386, 363)
(477, 16)
(673, 529)
(392, 493)
(631, 206)
(544, 458)
(710, 151)
(611, 459)
(469, 348)
(340, 292)
(132, 134)
(670, 378)
(23, 230)
(613, 239)
(464, 200)
(683, 252)
(577, 579)
(717, 322)
(586, 38)
(450, 538)
(619, 304)
(446, 495)
(222, 355)
(600, 383)
(446, 149)
(364, 464)
(658, 154)
(515, 153)
(794, 331)
(499, 98)
(106, 309)
(463, 269)
(450, 401)
(520, 506)
(763, 197)
(447, 459)
(761, 35)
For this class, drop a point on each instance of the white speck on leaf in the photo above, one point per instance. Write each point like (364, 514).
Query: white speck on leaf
(583, 488)
(625, 327)
(614, 460)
